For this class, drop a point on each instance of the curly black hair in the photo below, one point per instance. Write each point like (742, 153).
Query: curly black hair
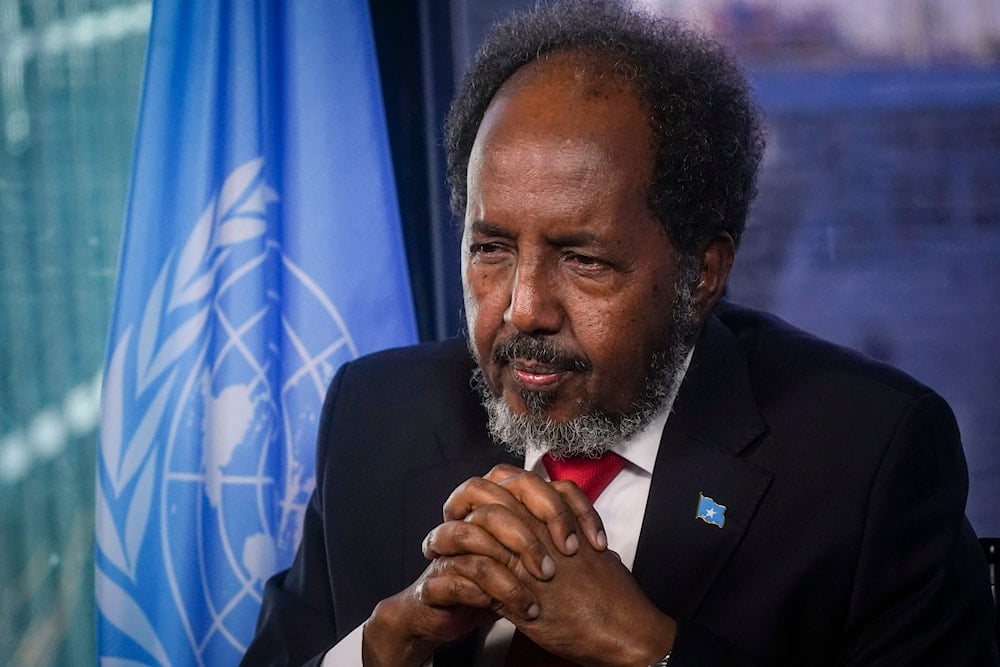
(707, 130)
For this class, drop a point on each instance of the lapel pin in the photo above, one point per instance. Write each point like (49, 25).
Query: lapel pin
(710, 511)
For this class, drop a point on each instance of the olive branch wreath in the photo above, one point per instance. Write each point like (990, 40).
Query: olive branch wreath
(233, 217)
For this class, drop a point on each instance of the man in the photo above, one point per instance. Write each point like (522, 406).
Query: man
(772, 499)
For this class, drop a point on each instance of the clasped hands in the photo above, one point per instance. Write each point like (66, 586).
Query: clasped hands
(534, 552)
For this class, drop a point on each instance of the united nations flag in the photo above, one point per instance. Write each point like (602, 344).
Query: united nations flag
(262, 249)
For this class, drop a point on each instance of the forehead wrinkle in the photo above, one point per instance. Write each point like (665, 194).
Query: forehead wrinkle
(532, 180)
(537, 162)
(529, 172)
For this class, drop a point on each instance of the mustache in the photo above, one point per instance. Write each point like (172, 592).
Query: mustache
(542, 350)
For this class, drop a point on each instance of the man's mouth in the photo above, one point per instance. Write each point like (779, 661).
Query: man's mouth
(536, 376)
(538, 365)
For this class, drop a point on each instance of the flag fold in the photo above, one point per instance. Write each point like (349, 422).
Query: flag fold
(262, 249)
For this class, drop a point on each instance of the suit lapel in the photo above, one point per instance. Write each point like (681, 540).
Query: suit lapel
(714, 419)
(463, 449)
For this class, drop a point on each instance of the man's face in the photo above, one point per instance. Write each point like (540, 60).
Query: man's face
(569, 280)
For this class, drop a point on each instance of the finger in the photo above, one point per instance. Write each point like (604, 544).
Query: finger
(519, 535)
(586, 516)
(523, 492)
(451, 590)
(476, 581)
(558, 506)
(504, 471)
(496, 532)
(476, 492)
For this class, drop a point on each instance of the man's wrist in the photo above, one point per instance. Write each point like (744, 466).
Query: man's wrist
(384, 643)
(654, 642)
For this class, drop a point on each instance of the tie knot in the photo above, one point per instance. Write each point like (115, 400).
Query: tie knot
(591, 475)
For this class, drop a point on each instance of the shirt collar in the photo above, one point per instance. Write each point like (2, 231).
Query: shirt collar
(640, 449)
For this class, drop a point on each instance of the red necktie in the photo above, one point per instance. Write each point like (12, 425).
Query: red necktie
(592, 476)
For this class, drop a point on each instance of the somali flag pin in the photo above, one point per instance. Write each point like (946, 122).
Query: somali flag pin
(710, 511)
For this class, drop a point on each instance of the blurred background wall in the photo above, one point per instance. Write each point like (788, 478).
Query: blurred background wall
(69, 87)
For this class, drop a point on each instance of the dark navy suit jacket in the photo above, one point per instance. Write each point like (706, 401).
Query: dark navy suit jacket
(845, 541)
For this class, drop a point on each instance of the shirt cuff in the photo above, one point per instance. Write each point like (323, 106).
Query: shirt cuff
(346, 652)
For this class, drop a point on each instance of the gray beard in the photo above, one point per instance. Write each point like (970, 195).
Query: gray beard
(593, 434)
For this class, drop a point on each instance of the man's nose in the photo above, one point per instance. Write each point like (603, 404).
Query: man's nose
(534, 307)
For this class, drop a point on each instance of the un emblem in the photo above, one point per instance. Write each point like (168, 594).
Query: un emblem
(205, 477)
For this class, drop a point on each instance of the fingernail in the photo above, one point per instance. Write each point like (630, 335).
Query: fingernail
(533, 612)
(572, 543)
(548, 567)
(602, 539)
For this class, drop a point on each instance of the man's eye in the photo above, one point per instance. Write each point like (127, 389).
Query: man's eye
(489, 251)
(585, 260)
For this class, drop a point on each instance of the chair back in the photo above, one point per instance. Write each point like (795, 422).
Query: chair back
(991, 549)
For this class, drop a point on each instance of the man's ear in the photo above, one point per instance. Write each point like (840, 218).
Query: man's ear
(716, 260)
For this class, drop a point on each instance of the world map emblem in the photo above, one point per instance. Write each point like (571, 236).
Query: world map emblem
(211, 406)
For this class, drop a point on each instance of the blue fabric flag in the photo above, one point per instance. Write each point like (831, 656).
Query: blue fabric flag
(262, 249)
(710, 511)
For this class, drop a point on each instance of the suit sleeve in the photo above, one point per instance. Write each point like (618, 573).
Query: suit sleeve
(695, 647)
(920, 593)
(296, 625)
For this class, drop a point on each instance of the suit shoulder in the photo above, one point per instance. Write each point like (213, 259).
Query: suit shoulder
(404, 378)
(775, 347)
(415, 358)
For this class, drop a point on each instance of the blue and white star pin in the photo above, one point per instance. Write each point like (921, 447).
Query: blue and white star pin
(710, 511)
